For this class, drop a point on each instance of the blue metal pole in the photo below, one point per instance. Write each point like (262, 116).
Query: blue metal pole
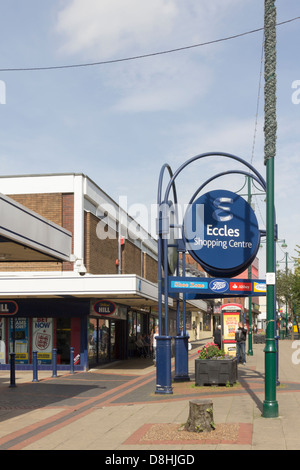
(163, 342)
(12, 370)
(71, 360)
(181, 343)
(35, 366)
(163, 348)
(54, 362)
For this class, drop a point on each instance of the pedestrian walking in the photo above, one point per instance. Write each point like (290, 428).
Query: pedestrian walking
(217, 336)
(240, 338)
(154, 345)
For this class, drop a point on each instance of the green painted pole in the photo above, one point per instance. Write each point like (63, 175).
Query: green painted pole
(270, 405)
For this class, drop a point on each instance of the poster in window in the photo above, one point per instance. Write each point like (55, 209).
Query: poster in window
(42, 339)
(230, 324)
(18, 333)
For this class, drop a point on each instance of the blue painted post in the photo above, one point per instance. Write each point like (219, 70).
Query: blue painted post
(71, 360)
(35, 366)
(54, 362)
(163, 369)
(12, 370)
(163, 343)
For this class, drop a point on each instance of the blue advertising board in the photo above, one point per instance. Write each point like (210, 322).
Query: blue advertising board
(221, 233)
(204, 287)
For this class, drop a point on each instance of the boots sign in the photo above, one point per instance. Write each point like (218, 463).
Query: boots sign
(221, 233)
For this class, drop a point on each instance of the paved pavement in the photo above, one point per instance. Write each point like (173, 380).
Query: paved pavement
(115, 408)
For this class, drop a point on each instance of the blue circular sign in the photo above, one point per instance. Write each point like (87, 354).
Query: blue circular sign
(220, 231)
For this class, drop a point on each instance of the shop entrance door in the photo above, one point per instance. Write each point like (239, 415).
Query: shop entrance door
(117, 339)
(63, 340)
(107, 340)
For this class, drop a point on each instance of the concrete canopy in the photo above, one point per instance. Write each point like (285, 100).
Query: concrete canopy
(27, 236)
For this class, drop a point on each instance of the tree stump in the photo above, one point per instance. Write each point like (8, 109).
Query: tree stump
(200, 417)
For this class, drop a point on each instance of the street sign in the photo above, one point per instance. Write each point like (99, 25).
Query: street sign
(221, 233)
(204, 287)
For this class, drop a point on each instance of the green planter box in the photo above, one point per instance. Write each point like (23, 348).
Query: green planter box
(215, 371)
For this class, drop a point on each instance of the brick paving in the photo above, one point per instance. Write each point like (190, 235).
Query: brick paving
(114, 409)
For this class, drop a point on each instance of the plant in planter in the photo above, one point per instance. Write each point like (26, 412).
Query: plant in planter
(214, 367)
(211, 351)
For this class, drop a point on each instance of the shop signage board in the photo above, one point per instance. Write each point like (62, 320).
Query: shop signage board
(221, 233)
(199, 287)
(105, 307)
(8, 307)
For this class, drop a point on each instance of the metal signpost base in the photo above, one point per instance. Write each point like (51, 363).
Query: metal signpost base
(163, 365)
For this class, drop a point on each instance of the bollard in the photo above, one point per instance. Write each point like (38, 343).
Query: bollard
(71, 360)
(12, 370)
(54, 363)
(35, 366)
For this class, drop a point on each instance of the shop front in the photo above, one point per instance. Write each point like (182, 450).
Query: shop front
(113, 330)
(106, 332)
(42, 326)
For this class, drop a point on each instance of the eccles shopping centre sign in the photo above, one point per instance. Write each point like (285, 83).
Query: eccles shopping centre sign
(220, 231)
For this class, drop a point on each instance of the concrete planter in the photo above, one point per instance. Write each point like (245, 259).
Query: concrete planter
(215, 371)
(259, 339)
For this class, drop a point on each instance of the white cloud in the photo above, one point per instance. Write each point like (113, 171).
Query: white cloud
(110, 29)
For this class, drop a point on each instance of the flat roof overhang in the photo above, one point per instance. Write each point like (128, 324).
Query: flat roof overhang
(27, 236)
(127, 289)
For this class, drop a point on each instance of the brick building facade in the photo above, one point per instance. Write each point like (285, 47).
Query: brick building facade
(58, 301)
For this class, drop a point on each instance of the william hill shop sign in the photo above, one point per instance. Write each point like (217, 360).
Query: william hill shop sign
(104, 307)
(8, 307)
(221, 233)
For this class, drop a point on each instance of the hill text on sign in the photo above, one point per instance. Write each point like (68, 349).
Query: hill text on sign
(105, 307)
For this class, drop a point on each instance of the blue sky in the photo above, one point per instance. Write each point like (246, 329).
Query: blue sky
(119, 123)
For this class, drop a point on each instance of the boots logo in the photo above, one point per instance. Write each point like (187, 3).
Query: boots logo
(219, 285)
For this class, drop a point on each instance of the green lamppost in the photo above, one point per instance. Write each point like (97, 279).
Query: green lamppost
(270, 404)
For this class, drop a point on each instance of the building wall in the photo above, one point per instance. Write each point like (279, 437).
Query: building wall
(100, 255)
(150, 268)
(131, 259)
(49, 206)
